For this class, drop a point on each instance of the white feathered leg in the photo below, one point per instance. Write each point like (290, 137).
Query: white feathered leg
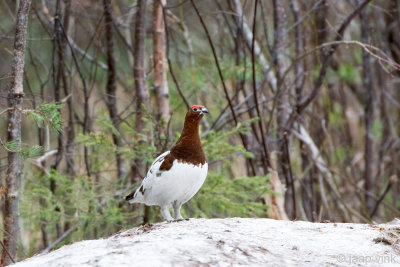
(177, 211)
(165, 213)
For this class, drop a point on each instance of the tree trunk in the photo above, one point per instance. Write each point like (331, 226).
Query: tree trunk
(70, 130)
(142, 94)
(307, 194)
(283, 107)
(58, 56)
(57, 70)
(111, 98)
(368, 113)
(14, 172)
(160, 75)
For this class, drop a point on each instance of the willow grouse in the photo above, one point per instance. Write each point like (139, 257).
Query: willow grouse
(176, 175)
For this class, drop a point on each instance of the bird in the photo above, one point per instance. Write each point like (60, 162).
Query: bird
(178, 174)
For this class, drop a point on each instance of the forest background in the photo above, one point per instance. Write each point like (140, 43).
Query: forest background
(303, 96)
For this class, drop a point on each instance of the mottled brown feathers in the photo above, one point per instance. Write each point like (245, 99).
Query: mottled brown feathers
(167, 163)
(142, 190)
(188, 148)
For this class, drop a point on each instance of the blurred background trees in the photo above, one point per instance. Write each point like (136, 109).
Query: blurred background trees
(303, 99)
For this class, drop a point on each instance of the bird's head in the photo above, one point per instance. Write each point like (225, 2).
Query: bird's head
(198, 109)
(196, 112)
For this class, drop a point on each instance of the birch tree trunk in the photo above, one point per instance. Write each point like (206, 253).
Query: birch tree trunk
(14, 172)
(160, 75)
(142, 94)
(283, 107)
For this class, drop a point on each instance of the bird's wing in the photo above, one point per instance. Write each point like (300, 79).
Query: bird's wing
(155, 166)
(153, 172)
(160, 165)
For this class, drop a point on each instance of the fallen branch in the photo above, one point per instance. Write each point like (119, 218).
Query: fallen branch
(321, 165)
(59, 240)
(392, 181)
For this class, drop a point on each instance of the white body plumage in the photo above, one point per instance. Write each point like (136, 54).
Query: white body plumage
(170, 188)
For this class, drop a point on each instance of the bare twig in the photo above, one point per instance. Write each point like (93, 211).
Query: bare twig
(169, 60)
(7, 109)
(8, 253)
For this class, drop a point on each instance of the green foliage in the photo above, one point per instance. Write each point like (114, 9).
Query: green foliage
(101, 146)
(93, 139)
(315, 71)
(23, 150)
(45, 114)
(336, 116)
(13, 146)
(221, 196)
(230, 70)
(195, 78)
(348, 73)
(33, 152)
(217, 147)
(77, 201)
(106, 124)
(142, 151)
(48, 114)
(341, 154)
(377, 129)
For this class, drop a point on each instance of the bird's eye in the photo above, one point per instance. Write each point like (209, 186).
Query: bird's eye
(195, 109)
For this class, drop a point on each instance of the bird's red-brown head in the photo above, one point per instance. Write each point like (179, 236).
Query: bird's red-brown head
(192, 120)
(195, 113)
(199, 109)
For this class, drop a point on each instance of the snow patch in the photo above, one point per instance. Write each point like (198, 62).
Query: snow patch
(232, 241)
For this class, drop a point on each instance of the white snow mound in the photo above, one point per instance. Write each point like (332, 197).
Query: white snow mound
(233, 241)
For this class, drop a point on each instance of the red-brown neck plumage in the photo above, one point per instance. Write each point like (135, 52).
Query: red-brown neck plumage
(188, 148)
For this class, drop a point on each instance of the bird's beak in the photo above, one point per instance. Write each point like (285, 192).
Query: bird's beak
(204, 110)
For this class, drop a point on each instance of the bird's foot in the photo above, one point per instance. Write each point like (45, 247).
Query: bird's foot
(181, 219)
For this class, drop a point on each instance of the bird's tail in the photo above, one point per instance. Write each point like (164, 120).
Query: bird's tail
(134, 197)
(130, 196)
